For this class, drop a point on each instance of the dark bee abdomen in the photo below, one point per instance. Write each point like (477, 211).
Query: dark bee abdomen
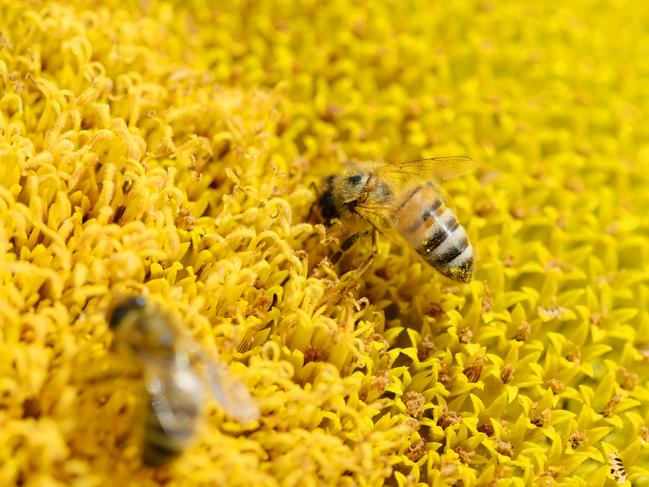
(433, 230)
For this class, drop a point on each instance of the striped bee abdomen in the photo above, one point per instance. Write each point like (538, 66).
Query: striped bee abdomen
(171, 426)
(162, 446)
(433, 230)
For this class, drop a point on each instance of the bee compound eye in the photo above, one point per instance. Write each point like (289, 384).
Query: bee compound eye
(355, 180)
(119, 312)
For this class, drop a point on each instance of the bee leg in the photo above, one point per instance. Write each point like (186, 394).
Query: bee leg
(361, 269)
(113, 375)
(98, 379)
(346, 245)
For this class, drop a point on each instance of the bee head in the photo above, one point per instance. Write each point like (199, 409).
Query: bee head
(341, 190)
(352, 184)
(123, 308)
(141, 327)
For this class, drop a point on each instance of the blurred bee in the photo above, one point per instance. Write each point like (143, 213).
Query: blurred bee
(405, 202)
(177, 374)
(617, 468)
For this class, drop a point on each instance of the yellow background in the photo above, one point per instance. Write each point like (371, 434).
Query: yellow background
(167, 148)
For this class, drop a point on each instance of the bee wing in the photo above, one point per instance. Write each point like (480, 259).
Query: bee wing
(230, 393)
(379, 217)
(158, 382)
(429, 169)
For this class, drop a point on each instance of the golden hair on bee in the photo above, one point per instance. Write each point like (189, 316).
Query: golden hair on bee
(178, 376)
(403, 201)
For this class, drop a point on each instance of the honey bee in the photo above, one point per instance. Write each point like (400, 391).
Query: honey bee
(617, 468)
(403, 201)
(177, 374)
